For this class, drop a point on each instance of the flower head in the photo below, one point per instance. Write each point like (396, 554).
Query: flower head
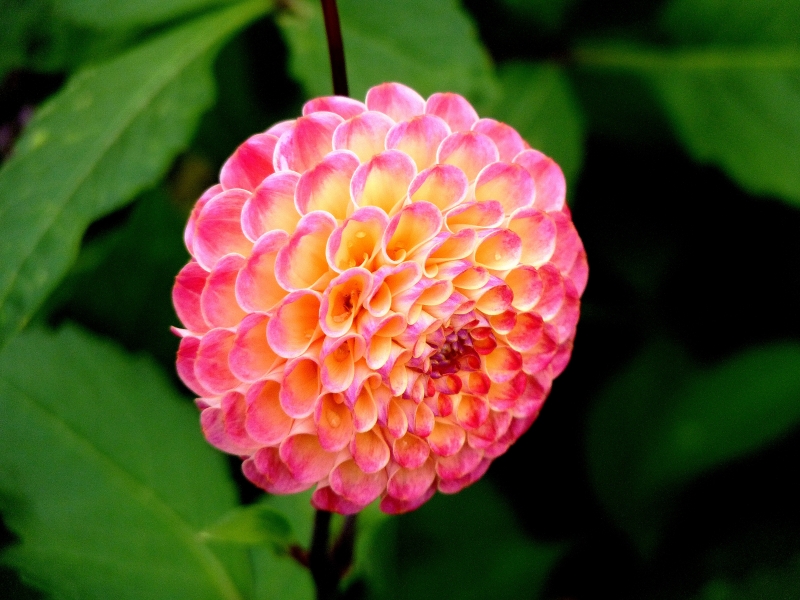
(379, 297)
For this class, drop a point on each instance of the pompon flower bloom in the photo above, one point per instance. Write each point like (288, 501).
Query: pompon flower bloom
(379, 297)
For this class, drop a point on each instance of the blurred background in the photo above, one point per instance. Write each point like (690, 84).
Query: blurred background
(665, 462)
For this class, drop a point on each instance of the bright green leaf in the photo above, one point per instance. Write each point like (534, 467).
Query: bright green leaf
(111, 132)
(121, 14)
(105, 477)
(537, 100)
(468, 546)
(663, 422)
(430, 46)
(254, 525)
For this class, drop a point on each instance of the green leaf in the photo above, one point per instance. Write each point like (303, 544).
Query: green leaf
(111, 132)
(469, 546)
(664, 421)
(121, 283)
(430, 46)
(105, 477)
(122, 14)
(732, 88)
(254, 525)
(278, 576)
(538, 101)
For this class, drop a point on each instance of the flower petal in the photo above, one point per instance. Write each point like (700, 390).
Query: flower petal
(398, 101)
(383, 181)
(218, 299)
(256, 287)
(341, 105)
(356, 242)
(408, 230)
(446, 438)
(342, 300)
(410, 484)
(186, 292)
(266, 469)
(218, 230)
(551, 188)
(509, 184)
(295, 324)
(537, 230)
(334, 422)
(370, 451)
(300, 387)
(305, 458)
(349, 481)
(326, 187)
(509, 143)
(250, 164)
(211, 367)
(444, 186)
(271, 206)
(301, 263)
(419, 138)
(307, 142)
(251, 357)
(364, 135)
(266, 422)
(454, 109)
(469, 151)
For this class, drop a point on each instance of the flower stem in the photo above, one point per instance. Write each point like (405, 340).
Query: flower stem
(335, 47)
(328, 566)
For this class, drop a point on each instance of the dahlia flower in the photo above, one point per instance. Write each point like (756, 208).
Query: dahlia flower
(379, 297)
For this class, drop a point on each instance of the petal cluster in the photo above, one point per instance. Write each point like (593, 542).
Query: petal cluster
(379, 297)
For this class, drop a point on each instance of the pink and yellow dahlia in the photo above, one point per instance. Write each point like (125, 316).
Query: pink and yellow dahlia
(379, 297)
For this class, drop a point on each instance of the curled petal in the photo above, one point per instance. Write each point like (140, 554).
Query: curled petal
(537, 230)
(459, 464)
(338, 357)
(568, 244)
(499, 250)
(356, 242)
(505, 395)
(553, 292)
(370, 451)
(224, 426)
(408, 230)
(527, 330)
(211, 367)
(539, 357)
(187, 357)
(257, 288)
(398, 101)
(503, 363)
(305, 458)
(551, 188)
(493, 428)
(383, 181)
(300, 387)
(469, 151)
(419, 138)
(301, 263)
(294, 326)
(364, 135)
(410, 451)
(326, 187)
(472, 411)
(423, 420)
(186, 292)
(387, 282)
(334, 422)
(392, 506)
(218, 230)
(526, 285)
(475, 215)
(342, 300)
(453, 486)
(349, 481)
(250, 164)
(251, 357)
(365, 411)
(218, 299)
(341, 105)
(579, 273)
(456, 111)
(266, 469)
(509, 143)
(444, 186)
(446, 438)
(266, 421)
(306, 143)
(189, 230)
(324, 498)
(271, 206)
(510, 184)
(410, 484)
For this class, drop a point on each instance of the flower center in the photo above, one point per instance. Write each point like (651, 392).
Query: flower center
(455, 354)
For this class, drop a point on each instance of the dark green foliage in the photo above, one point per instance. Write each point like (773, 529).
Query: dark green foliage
(663, 464)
